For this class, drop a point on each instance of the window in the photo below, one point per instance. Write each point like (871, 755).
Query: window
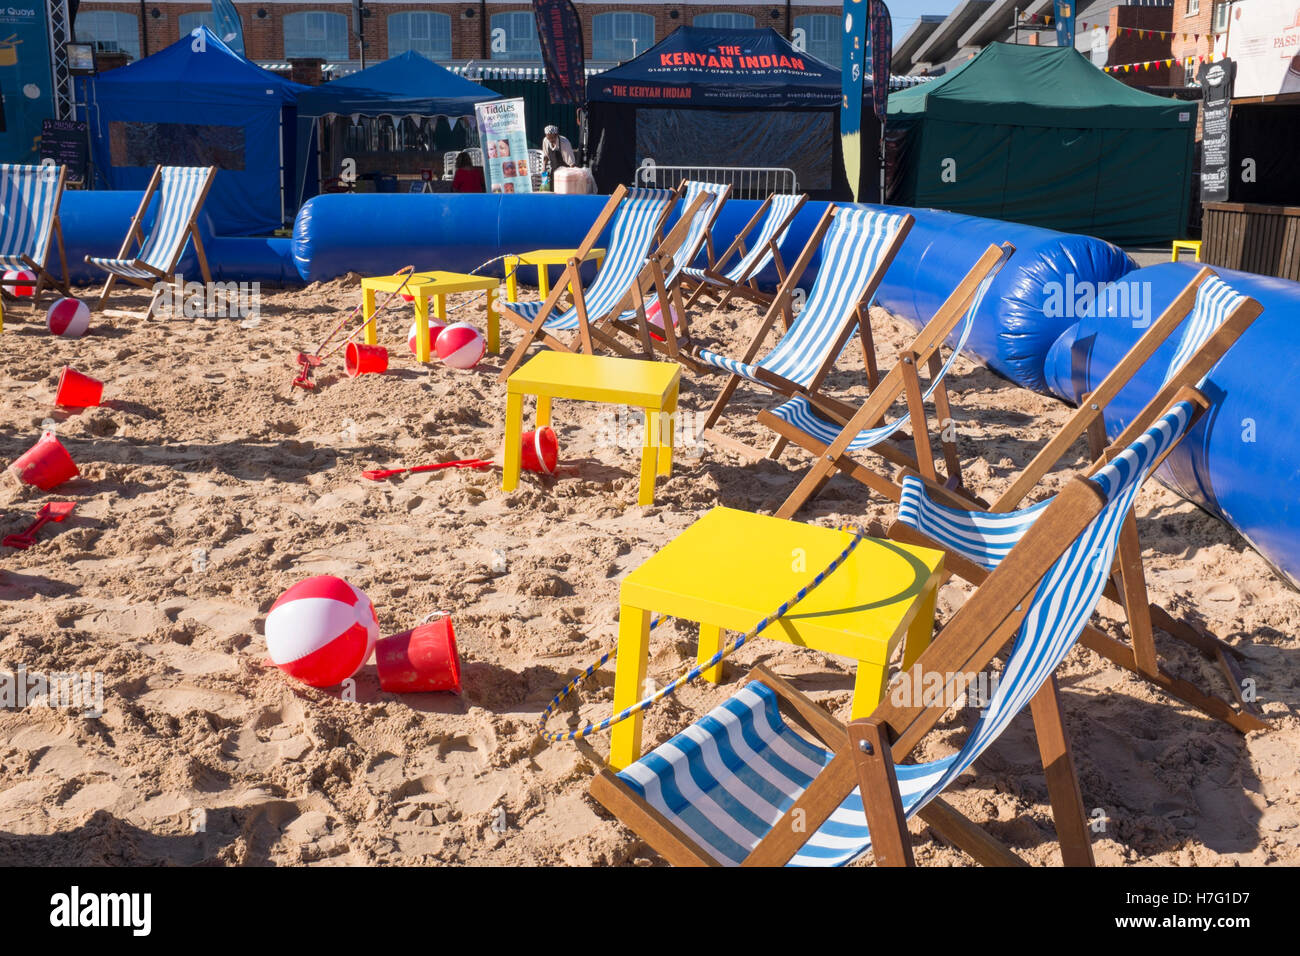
(621, 36)
(189, 22)
(1193, 6)
(425, 33)
(724, 21)
(1221, 17)
(514, 36)
(818, 35)
(1189, 74)
(109, 32)
(316, 34)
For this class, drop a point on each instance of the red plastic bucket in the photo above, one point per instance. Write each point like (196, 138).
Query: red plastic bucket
(360, 359)
(77, 390)
(541, 451)
(420, 660)
(46, 464)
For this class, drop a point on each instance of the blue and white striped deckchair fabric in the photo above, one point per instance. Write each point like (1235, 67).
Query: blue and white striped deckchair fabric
(985, 538)
(727, 779)
(1215, 300)
(631, 237)
(853, 247)
(29, 198)
(799, 412)
(180, 192)
(758, 256)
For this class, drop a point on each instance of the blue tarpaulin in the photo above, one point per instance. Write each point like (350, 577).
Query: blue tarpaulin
(406, 85)
(197, 103)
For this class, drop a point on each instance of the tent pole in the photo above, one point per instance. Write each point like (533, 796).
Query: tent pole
(281, 139)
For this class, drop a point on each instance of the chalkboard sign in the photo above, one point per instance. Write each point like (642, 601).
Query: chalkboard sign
(64, 142)
(1216, 81)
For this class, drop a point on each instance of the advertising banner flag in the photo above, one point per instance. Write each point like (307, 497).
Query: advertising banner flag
(1064, 22)
(504, 140)
(1216, 81)
(227, 25)
(882, 45)
(560, 32)
(854, 64)
(26, 87)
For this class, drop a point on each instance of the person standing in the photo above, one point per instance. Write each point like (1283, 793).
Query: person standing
(557, 151)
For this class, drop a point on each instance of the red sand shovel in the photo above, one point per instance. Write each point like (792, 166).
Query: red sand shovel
(379, 474)
(54, 511)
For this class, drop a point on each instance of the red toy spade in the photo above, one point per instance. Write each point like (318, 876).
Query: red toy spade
(379, 474)
(54, 511)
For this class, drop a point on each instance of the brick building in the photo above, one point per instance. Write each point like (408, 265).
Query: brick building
(500, 31)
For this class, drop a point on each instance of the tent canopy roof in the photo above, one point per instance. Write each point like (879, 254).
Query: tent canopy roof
(691, 68)
(406, 85)
(1011, 85)
(211, 75)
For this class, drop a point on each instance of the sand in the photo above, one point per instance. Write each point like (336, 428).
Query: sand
(208, 487)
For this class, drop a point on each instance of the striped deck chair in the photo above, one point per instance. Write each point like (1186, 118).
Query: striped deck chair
(635, 218)
(181, 191)
(666, 275)
(858, 246)
(29, 220)
(776, 214)
(743, 786)
(977, 540)
(836, 436)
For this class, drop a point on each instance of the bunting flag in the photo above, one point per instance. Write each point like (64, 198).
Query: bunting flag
(1166, 64)
(1143, 32)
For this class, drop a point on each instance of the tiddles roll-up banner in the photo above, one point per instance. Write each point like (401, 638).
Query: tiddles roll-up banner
(560, 32)
(227, 25)
(501, 133)
(1064, 10)
(853, 71)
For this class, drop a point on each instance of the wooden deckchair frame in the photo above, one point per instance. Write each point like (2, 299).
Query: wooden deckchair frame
(135, 233)
(1128, 585)
(783, 306)
(44, 277)
(746, 286)
(591, 329)
(902, 382)
(866, 749)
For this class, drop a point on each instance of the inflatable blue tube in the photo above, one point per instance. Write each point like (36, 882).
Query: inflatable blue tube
(1018, 321)
(95, 223)
(1242, 461)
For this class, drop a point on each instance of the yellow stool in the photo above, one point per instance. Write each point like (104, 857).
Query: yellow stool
(542, 258)
(437, 286)
(1192, 245)
(730, 569)
(651, 386)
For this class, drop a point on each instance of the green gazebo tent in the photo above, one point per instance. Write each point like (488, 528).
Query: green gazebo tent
(1039, 135)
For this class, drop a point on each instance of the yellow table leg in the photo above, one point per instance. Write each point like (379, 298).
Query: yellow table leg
(514, 432)
(421, 328)
(710, 644)
(440, 308)
(629, 683)
(512, 281)
(493, 323)
(921, 630)
(868, 688)
(543, 410)
(543, 282)
(671, 424)
(649, 457)
(371, 334)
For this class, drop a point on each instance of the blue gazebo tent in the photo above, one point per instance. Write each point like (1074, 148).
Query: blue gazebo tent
(197, 103)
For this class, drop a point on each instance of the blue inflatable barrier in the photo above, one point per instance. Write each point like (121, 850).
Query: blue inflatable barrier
(1018, 321)
(95, 223)
(1242, 461)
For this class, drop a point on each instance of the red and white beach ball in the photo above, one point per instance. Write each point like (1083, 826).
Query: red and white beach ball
(434, 328)
(26, 280)
(69, 318)
(460, 345)
(321, 631)
(654, 316)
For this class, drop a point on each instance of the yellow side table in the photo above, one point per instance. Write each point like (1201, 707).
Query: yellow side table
(730, 569)
(436, 286)
(542, 258)
(651, 386)
(1191, 245)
